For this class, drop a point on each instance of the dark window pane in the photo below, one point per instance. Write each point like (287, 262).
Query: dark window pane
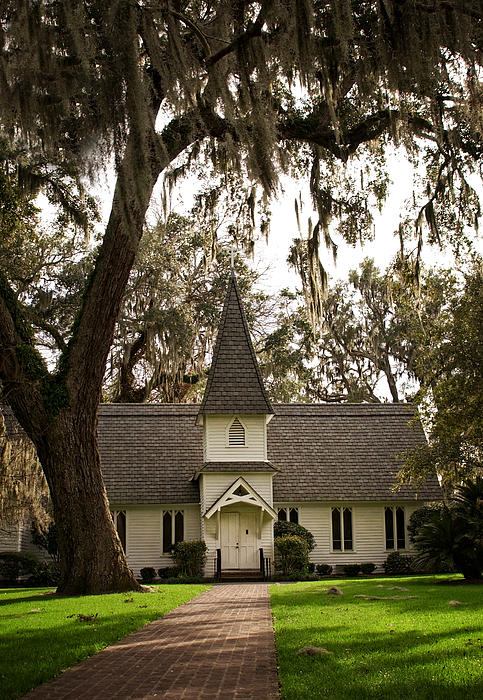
(282, 514)
(121, 528)
(400, 529)
(389, 528)
(294, 515)
(167, 543)
(336, 535)
(347, 528)
(179, 527)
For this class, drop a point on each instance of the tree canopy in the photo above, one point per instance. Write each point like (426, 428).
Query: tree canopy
(255, 88)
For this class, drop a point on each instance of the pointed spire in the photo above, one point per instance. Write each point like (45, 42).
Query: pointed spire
(235, 384)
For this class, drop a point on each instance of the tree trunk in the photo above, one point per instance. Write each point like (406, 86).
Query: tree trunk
(91, 556)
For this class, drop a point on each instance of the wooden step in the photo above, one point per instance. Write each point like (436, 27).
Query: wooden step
(241, 575)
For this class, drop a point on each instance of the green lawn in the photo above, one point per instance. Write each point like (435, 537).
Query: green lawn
(42, 634)
(411, 649)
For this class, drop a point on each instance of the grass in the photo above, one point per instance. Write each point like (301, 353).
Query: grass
(421, 648)
(41, 634)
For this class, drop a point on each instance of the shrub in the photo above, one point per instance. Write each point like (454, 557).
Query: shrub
(368, 567)
(190, 557)
(148, 574)
(422, 516)
(293, 554)
(15, 564)
(167, 572)
(324, 569)
(311, 567)
(352, 569)
(396, 563)
(282, 528)
(451, 537)
(45, 574)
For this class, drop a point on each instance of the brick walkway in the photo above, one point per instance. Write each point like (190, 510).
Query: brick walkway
(219, 645)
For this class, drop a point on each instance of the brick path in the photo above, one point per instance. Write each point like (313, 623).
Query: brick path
(218, 645)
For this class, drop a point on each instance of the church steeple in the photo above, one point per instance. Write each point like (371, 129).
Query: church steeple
(235, 384)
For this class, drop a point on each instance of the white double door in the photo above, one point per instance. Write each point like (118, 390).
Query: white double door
(238, 540)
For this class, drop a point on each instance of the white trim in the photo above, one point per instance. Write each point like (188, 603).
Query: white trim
(251, 498)
(173, 512)
(394, 507)
(341, 507)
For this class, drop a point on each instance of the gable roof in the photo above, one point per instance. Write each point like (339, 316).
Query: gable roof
(335, 452)
(324, 452)
(250, 496)
(234, 382)
(149, 452)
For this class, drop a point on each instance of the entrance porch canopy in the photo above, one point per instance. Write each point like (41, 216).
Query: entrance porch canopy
(241, 492)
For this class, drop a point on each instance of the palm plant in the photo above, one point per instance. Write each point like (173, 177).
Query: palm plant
(454, 536)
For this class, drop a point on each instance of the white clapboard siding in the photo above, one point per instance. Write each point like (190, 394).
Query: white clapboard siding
(143, 534)
(214, 485)
(216, 439)
(367, 526)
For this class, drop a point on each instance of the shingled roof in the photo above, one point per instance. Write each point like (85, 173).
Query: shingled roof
(234, 383)
(323, 452)
(150, 452)
(345, 452)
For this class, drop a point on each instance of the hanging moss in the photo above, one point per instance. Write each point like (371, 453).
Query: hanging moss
(30, 362)
(55, 393)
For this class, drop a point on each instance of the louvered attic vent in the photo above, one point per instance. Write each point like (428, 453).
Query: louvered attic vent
(236, 434)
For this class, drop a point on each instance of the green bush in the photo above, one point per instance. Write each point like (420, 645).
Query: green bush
(167, 572)
(45, 574)
(324, 569)
(352, 569)
(190, 558)
(282, 528)
(368, 567)
(396, 563)
(311, 567)
(452, 538)
(293, 554)
(15, 564)
(148, 574)
(422, 516)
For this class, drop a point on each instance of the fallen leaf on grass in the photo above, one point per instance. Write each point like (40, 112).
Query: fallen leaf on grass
(86, 618)
(34, 610)
(313, 651)
(454, 603)
(334, 590)
(391, 597)
(397, 588)
(142, 606)
(129, 600)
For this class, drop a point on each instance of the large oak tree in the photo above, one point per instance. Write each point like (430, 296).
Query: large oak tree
(256, 87)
